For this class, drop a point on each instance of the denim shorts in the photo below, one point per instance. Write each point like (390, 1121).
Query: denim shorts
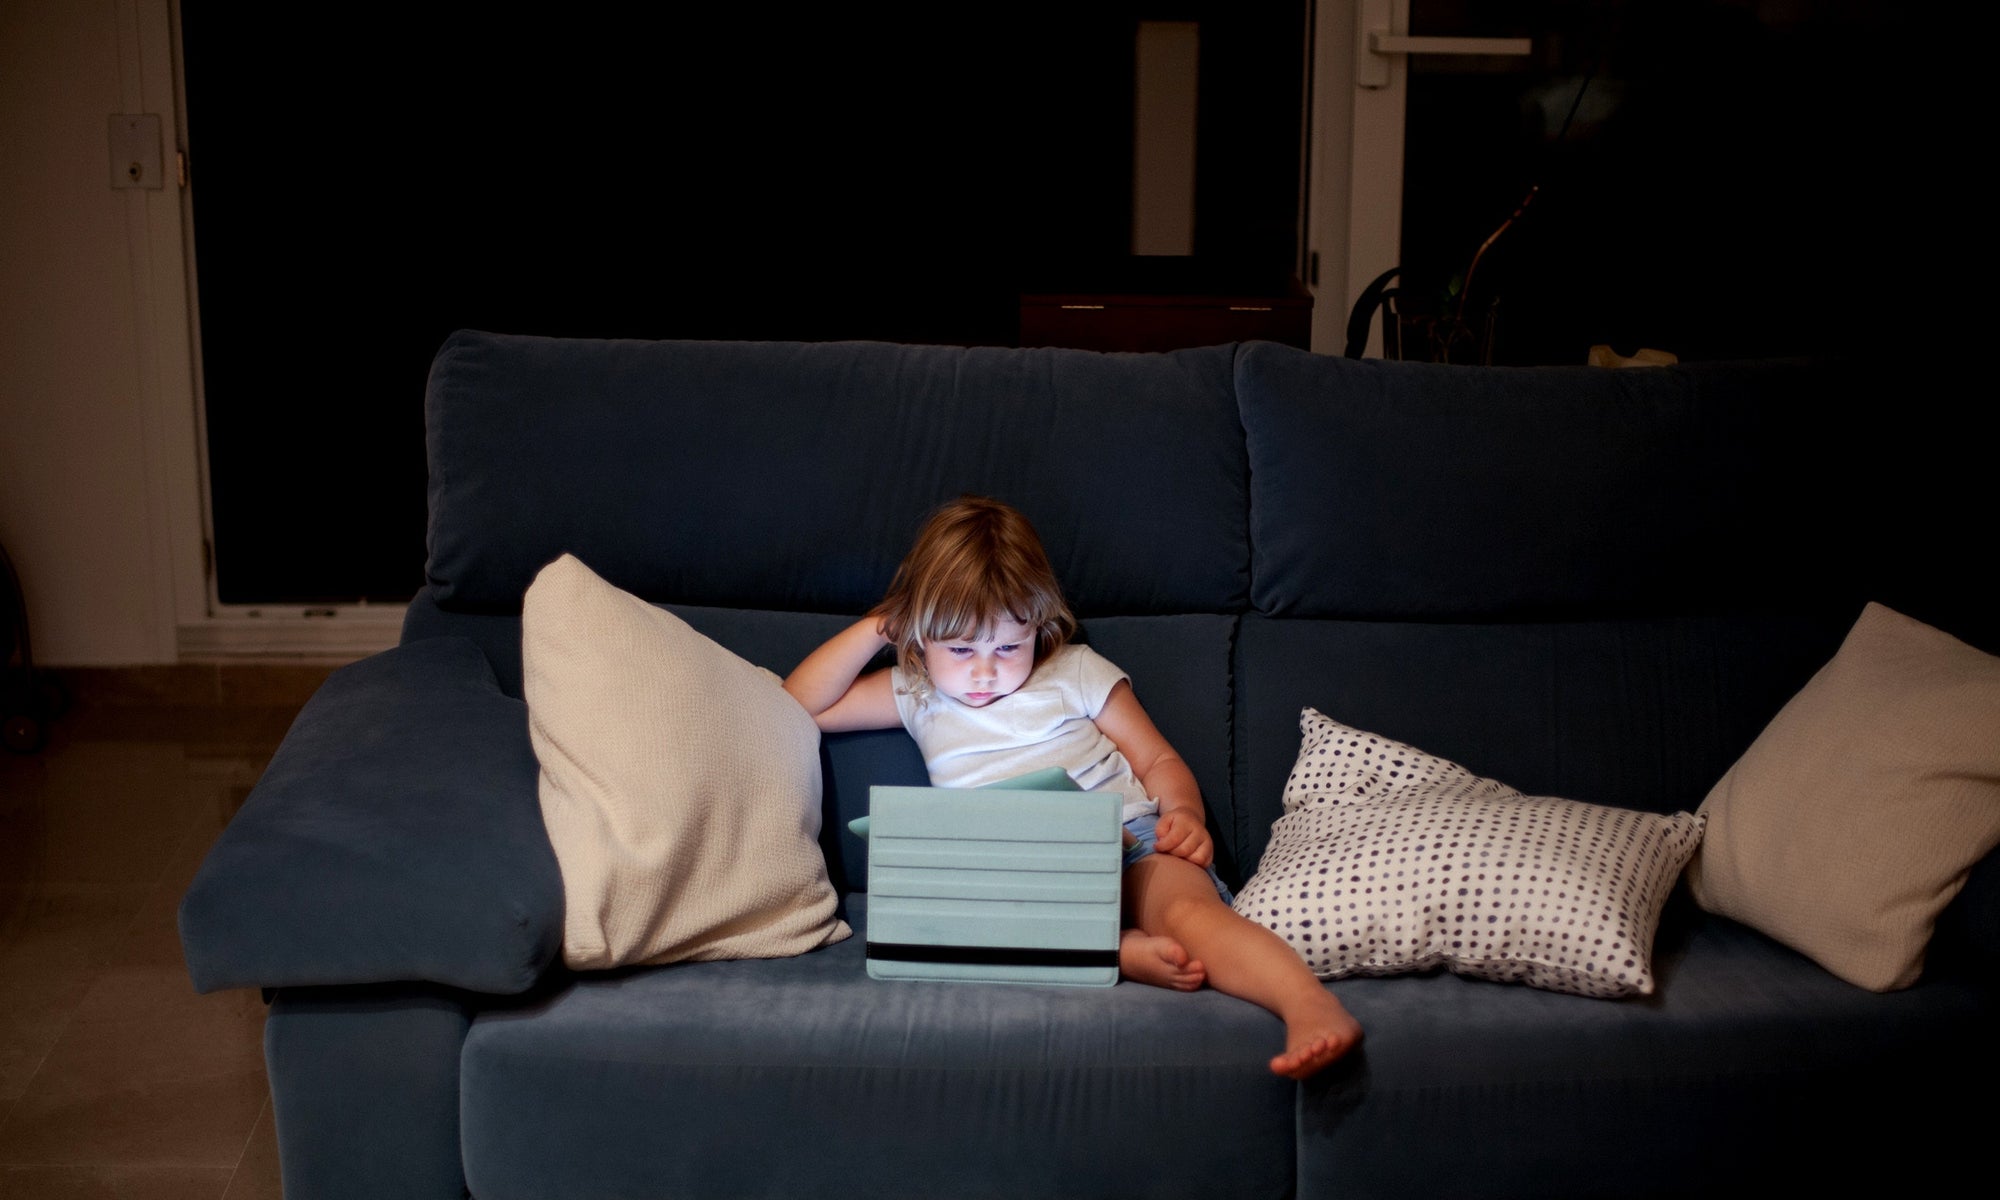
(1141, 828)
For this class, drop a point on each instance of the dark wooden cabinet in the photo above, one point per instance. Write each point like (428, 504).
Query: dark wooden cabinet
(1166, 320)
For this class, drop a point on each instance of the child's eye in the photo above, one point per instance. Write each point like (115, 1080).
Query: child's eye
(1009, 648)
(959, 651)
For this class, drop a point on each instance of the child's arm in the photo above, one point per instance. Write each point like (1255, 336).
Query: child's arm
(825, 684)
(1183, 827)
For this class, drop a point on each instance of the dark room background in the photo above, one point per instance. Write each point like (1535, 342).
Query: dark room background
(366, 180)
(1744, 178)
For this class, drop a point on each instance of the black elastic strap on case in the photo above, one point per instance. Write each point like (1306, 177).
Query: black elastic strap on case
(995, 956)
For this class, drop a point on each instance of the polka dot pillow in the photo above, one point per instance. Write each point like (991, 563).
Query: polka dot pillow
(1389, 860)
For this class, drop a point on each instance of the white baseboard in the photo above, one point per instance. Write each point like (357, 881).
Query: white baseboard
(337, 633)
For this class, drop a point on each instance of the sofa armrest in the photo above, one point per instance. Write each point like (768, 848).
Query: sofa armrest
(396, 836)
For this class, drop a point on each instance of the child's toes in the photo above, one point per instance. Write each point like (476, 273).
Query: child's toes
(1298, 1062)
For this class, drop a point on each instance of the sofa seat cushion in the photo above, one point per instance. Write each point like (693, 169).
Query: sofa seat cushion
(1750, 1065)
(803, 1077)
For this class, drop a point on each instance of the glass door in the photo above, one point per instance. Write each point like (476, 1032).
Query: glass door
(1527, 180)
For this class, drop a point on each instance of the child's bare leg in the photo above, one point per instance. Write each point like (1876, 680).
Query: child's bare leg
(1160, 961)
(1170, 896)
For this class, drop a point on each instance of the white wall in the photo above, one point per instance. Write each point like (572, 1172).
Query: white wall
(101, 493)
(97, 437)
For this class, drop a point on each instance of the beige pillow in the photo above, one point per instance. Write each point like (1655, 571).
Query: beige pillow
(680, 784)
(1851, 821)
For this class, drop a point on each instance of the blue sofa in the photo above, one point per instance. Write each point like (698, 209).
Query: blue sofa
(1592, 583)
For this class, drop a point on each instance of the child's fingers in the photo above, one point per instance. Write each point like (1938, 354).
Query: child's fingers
(1184, 841)
(1180, 840)
(1197, 847)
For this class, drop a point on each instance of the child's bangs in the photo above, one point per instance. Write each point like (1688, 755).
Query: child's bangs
(967, 613)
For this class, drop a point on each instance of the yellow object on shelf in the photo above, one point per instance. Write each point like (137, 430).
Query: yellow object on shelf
(1604, 356)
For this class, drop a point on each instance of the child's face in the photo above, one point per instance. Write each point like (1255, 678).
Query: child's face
(977, 672)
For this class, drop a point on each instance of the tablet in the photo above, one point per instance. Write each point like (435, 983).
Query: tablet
(999, 884)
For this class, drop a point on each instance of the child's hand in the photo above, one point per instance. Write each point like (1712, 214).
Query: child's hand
(1183, 835)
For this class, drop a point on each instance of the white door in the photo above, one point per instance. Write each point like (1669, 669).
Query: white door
(1360, 90)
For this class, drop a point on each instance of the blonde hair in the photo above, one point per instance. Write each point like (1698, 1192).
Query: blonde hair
(974, 560)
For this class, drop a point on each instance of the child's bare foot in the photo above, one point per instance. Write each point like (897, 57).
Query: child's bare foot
(1160, 961)
(1315, 1038)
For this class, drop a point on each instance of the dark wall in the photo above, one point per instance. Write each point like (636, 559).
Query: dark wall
(1717, 178)
(1747, 178)
(365, 180)
(1734, 179)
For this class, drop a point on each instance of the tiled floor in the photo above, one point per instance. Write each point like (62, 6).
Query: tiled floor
(116, 1078)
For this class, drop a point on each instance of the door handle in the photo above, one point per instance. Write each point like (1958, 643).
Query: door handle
(1374, 43)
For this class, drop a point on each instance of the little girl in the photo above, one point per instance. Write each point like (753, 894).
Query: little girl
(987, 682)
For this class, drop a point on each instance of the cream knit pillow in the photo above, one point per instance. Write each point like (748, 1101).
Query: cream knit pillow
(1851, 821)
(680, 785)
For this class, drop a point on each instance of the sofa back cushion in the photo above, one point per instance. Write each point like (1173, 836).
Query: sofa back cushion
(792, 476)
(1179, 667)
(1418, 491)
(1635, 713)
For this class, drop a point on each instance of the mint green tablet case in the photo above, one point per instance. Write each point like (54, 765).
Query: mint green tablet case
(999, 884)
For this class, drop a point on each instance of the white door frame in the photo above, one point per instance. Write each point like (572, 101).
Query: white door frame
(1354, 204)
(1360, 77)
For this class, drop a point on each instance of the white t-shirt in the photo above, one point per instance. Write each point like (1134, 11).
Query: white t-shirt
(1048, 722)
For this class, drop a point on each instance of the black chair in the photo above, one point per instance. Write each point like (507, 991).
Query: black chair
(1378, 296)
